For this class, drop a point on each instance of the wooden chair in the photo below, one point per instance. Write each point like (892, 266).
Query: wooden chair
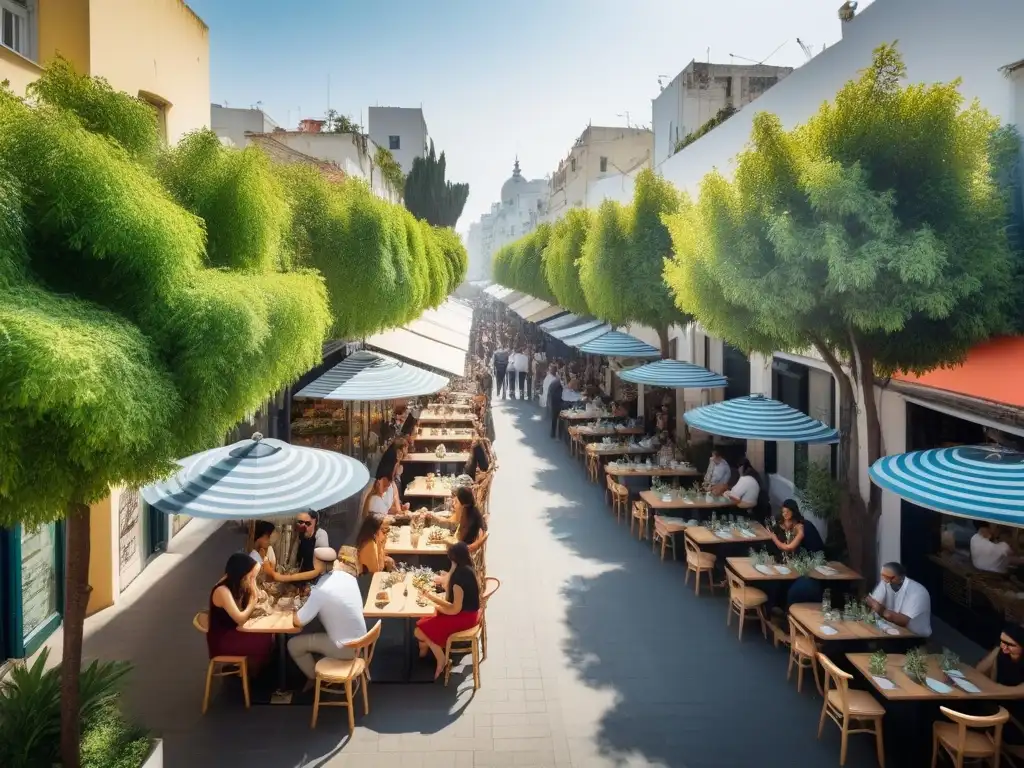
(609, 483)
(221, 666)
(474, 639)
(969, 737)
(620, 501)
(744, 600)
(667, 540)
(639, 516)
(699, 562)
(346, 675)
(847, 708)
(593, 467)
(803, 653)
(479, 558)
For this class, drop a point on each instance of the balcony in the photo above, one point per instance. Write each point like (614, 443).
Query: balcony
(17, 69)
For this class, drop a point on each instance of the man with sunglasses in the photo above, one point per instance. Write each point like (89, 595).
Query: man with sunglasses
(902, 601)
(310, 536)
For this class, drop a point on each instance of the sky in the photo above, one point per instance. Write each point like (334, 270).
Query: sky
(496, 80)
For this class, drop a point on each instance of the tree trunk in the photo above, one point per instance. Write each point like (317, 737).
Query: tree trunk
(76, 599)
(666, 346)
(873, 443)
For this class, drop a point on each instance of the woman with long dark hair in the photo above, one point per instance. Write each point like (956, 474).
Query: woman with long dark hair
(457, 611)
(232, 601)
(370, 546)
(792, 532)
(470, 522)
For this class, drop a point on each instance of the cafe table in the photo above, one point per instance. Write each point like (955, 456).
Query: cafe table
(438, 489)
(809, 616)
(436, 417)
(402, 603)
(427, 434)
(617, 449)
(897, 686)
(703, 537)
(278, 622)
(666, 528)
(616, 469)
(747, 571)
(401, 544)
(656, 501)
(578, 415)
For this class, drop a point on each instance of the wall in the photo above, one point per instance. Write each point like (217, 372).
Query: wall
(59, 28)
(233, 124)
(940, 40)
(346, 150)
(157, 47)
(18, 70)
(407, 123)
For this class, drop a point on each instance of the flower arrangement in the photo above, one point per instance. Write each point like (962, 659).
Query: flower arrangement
(950, 661)
(761, 557)
(878, 662)
(440, 451)
(915, 665)
(804, 562)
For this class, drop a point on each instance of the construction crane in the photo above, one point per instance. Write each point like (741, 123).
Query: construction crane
(805, 48)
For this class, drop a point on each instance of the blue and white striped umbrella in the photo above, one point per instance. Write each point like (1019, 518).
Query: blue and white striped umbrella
(579, 329)
(756, 417)
(257, 477)
(577, 340)
(562, 321)
(675, 374)
(368, 375)
(616, 344)
(982, 482)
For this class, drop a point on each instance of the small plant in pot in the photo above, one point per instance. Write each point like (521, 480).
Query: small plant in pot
(877, 663)
(915, 665)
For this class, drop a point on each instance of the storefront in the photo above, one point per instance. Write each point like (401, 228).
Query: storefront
(32, 581)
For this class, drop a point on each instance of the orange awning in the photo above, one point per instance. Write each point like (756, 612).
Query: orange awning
(993, 371)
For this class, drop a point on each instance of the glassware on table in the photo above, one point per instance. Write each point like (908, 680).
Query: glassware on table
(826, 601)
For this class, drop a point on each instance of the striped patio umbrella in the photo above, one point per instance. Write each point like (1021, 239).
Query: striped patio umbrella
(584, 329)
(675, 374)
(368, 375)
(756, 417)
(981, 482)
(615, 344)
(258, 477)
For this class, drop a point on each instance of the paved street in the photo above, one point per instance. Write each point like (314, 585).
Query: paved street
(598, 656)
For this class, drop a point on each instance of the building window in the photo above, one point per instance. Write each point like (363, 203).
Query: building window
(16, 26)
(394, 142)
(572, 164)
(604, 165)
(160, 107)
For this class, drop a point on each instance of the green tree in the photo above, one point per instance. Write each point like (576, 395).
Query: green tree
(338, 123)
(390, 169)
(874, 234)
(429, 196)
(122, 351)
(561, 259)
(519, 265)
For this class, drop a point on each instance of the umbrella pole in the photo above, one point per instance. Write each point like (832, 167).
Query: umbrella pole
(250, 539)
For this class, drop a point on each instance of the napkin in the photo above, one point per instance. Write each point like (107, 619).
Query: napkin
(723, 534)
(884, 683)
(827, 630)
(936, 686)
(748, 534)
(782, 569)
(765, 570)
(826, 570)
(964, 684)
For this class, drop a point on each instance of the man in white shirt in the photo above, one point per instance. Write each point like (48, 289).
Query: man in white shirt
(902, 601)
(988, 553)
(719, 472)
(551, 377)
(747, 489)
(334, 599)
(521, 365)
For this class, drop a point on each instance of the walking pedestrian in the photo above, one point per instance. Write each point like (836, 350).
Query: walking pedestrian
(554, 397)
(499, 361)
(522, 365)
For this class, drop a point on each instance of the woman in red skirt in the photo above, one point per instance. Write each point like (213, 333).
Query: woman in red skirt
(457, 611)
(232, 602)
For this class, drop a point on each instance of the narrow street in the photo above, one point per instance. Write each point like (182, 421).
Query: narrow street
(597, 656)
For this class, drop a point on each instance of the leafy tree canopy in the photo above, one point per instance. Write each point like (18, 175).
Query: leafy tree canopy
(561, 259)
(519, 264)
(430, 196)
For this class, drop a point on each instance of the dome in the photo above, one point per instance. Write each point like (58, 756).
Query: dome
(511, 188)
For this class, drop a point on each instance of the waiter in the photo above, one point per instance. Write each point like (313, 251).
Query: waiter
(555, 400)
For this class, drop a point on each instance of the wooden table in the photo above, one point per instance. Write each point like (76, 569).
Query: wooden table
(600, 449)
(746, 570)
(418, 487)
(404, 544)
(907, 690)
(701, 536)
(609, 431)
(585, 415)
(402, 603)
(655, 501)
(453, 435)
(433, 417)
(808, 616)
(639, 470)
(452, 457)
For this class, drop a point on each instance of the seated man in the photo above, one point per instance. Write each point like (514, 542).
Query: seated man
(334, 599)
(719, 473)
(989, 552)
(747, 489)
(902, 601)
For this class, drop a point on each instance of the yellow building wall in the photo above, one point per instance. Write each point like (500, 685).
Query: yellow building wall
(64, 30)
(154, 48)
(17, 70)
(103, 558)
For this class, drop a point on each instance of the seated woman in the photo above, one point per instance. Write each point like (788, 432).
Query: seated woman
(232, 602)
(370, 546)
(792, 532)
(457, 611)
(479, 457)
(378, 502)
(1004, 664)
(467, 520)
(262, 552)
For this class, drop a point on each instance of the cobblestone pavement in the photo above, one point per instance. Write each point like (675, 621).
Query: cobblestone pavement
(598, 655)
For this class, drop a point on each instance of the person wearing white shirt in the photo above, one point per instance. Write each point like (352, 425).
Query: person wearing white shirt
(747, 489)
(334, 599)
(988, 554)
(719, 472)
(262, 552)
(551, 377)
(380, 500)
(902, 601)
(521, 366)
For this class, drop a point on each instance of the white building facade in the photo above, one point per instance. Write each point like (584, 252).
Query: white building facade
(401, 130)
(231, 124)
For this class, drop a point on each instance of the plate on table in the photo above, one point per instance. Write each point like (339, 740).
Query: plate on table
(666, 497)
(763, 569)
(783, 570)
(963, 683)
(826, 630)
(937, 686)
(723, 534)
(748, 534)
(692, 522)
(884, 683)
(826, 570)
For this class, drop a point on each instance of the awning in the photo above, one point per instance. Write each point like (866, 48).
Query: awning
(583, 326)
(368, 375)
(530, 307)
(757, 417)
(256, 478)
(512, 297)
(579, 339)
(556, 323)
(420, 349)
(545, 314)
(497, 291)
(675, 374)
(617, 344)
(981, 482)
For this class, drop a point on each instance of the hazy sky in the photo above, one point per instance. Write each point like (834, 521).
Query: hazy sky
(495, 79)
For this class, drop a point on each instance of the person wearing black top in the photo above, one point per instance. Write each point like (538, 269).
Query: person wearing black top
(478, 461)
(457, 611)
(1004, 664)
(793, 533)
(555, 402)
